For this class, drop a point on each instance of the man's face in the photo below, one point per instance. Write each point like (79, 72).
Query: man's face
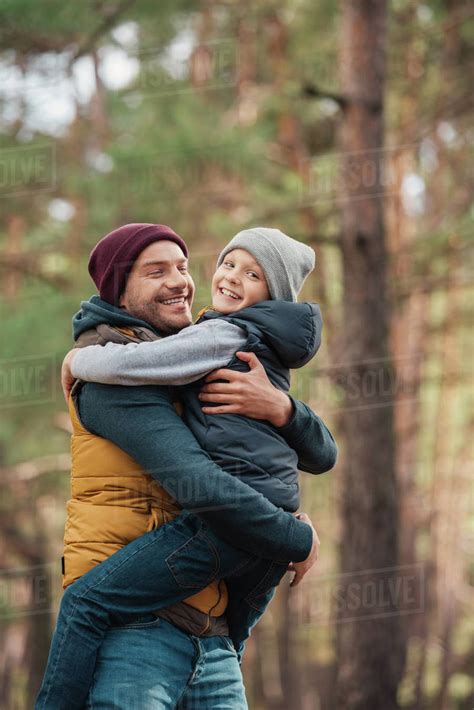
(159, 288)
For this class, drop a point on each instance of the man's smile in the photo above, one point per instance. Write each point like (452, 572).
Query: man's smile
(177, 302)
(170, 301)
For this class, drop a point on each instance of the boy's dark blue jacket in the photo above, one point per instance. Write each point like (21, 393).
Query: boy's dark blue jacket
(283, 336)
(144, 423)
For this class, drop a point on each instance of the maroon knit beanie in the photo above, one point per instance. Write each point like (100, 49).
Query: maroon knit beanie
(112, 258)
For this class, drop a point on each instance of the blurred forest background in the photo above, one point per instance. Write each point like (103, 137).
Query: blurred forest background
(347, 125)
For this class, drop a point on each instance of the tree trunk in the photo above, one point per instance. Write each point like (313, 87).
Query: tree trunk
(41, 620)
(409, 337)
(288, 653)
(370, 657)
(13, 248)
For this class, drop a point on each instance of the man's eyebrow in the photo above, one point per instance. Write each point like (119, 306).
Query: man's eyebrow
(154, 262)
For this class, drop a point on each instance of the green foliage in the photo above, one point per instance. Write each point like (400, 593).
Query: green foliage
(210, 159)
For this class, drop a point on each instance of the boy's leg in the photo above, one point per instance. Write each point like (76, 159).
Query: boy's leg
(249, 596)
(161, 568)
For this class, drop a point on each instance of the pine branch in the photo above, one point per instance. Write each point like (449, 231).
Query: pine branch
(343, 101)
(107, 24)
(26, 43)
(311, 91)
(28, 265)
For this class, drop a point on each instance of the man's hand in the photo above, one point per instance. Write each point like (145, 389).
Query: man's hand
(67, 380)
(301, 568)
(250, 394)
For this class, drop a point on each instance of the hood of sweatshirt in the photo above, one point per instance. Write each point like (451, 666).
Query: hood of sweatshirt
(292, 330)
(96, 311)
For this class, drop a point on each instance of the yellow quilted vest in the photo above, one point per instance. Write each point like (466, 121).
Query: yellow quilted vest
(114, 501)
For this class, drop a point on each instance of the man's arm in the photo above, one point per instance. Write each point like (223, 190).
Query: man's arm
(175, 360)
(143, 422)
(307, 434)
(251, 394)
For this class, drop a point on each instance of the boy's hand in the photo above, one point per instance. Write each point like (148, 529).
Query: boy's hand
(250, 394)
(301, 568)
(67, 380)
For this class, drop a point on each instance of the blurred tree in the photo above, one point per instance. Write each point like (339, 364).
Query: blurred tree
(215, 116)
(370, 653)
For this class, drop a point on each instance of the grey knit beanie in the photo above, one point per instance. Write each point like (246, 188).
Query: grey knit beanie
(285, 262)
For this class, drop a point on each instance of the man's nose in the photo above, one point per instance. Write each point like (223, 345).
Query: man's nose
(176, 279)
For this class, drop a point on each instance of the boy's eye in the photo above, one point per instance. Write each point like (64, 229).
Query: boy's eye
(228, 263)
(252, 274)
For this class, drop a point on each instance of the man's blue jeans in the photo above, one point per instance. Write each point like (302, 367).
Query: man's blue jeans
(152, 665)
(156, 570)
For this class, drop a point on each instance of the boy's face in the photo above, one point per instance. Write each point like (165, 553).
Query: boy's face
(159, 288)
(239, 282)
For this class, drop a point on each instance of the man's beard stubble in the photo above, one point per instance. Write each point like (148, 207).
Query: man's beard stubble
(149, 312)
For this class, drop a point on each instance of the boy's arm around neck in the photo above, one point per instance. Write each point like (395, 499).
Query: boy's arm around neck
(173, 360)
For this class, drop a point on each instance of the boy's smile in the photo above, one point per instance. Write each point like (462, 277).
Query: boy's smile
(230, 294)
(239, 282)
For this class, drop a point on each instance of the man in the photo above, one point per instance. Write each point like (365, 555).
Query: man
(144, 269)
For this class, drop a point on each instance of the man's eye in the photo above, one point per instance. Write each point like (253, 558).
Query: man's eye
(159, 272)
(184, 269)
